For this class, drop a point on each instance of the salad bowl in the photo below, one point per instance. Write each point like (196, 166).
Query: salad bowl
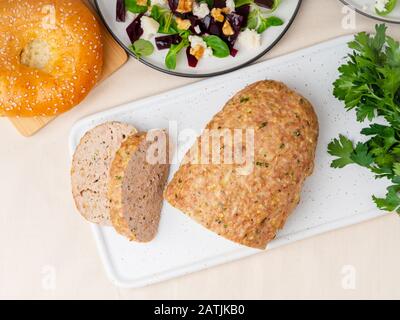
(240, 55)
(367, 8)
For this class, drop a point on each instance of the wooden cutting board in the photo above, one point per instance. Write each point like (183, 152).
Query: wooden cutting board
(114, 58)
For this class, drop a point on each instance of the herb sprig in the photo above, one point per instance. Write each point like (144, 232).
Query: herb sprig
(370, 83)
(258, 22)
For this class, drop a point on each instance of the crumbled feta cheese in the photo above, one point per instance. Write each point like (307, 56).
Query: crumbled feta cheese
(149, 26)
(196, 41)
(197, 29)
(162, 3)
(230, 4)
(130, 16)
(249, 39)
(200, 10)
(380, 5)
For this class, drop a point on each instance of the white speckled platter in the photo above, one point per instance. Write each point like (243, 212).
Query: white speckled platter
(331, 198)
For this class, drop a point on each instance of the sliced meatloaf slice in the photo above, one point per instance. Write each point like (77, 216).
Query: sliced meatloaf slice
(136, 185)
(91, 166)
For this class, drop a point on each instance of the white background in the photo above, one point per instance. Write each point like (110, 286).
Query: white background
(40, 235)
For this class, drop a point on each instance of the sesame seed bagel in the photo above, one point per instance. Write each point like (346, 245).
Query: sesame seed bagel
(51, 56)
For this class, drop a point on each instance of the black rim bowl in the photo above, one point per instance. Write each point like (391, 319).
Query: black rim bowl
(189, 75)
(366, 14)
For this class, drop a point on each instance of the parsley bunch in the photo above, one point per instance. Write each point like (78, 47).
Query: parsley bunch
(370, 83)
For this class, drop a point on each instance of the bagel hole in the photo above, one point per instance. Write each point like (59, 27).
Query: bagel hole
(36, 54)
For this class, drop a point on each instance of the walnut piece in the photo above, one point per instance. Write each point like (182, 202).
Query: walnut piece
(185, 6)
(183, 24)
(227, 29)
(216, 13)
(197, 51)
(141, 3)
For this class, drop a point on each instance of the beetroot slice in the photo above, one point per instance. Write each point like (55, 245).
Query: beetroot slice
(194, 22)
(219, 3)
(244, 11)
(234, 52)
(173, 5)
(265, 3)
(121, 11)
(236, 21)
(213, 27)
(135, 30)
(192, 61)
(165, 42)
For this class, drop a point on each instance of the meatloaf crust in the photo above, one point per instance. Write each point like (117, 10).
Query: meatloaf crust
(250, 208)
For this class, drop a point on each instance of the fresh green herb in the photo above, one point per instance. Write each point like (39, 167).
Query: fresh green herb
(274, 22)
(343, 149)
(244, 99)
(170, 59)
(369, 83)
(142, 48)
(210, 3)
(262, 164)
(239, 3)
(132, 6)
(219, 47)
(258, 22)
(389, 7)
(276, 5)
(165, 18)
(185, 34)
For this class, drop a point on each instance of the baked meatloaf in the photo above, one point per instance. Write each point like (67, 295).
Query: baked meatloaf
(91, 166)
(136, 185)
(246, 203)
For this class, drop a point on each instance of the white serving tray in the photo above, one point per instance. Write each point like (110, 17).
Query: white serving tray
(331, 198)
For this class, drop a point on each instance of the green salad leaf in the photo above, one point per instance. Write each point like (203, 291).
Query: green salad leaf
(369, 83)
(219, 47)
(165, 18)
(170, 59)
(258, 22)
(132, 6)
(276, 5)
(388, 8)
(142, 48)
(210, 3)
(239, 3)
